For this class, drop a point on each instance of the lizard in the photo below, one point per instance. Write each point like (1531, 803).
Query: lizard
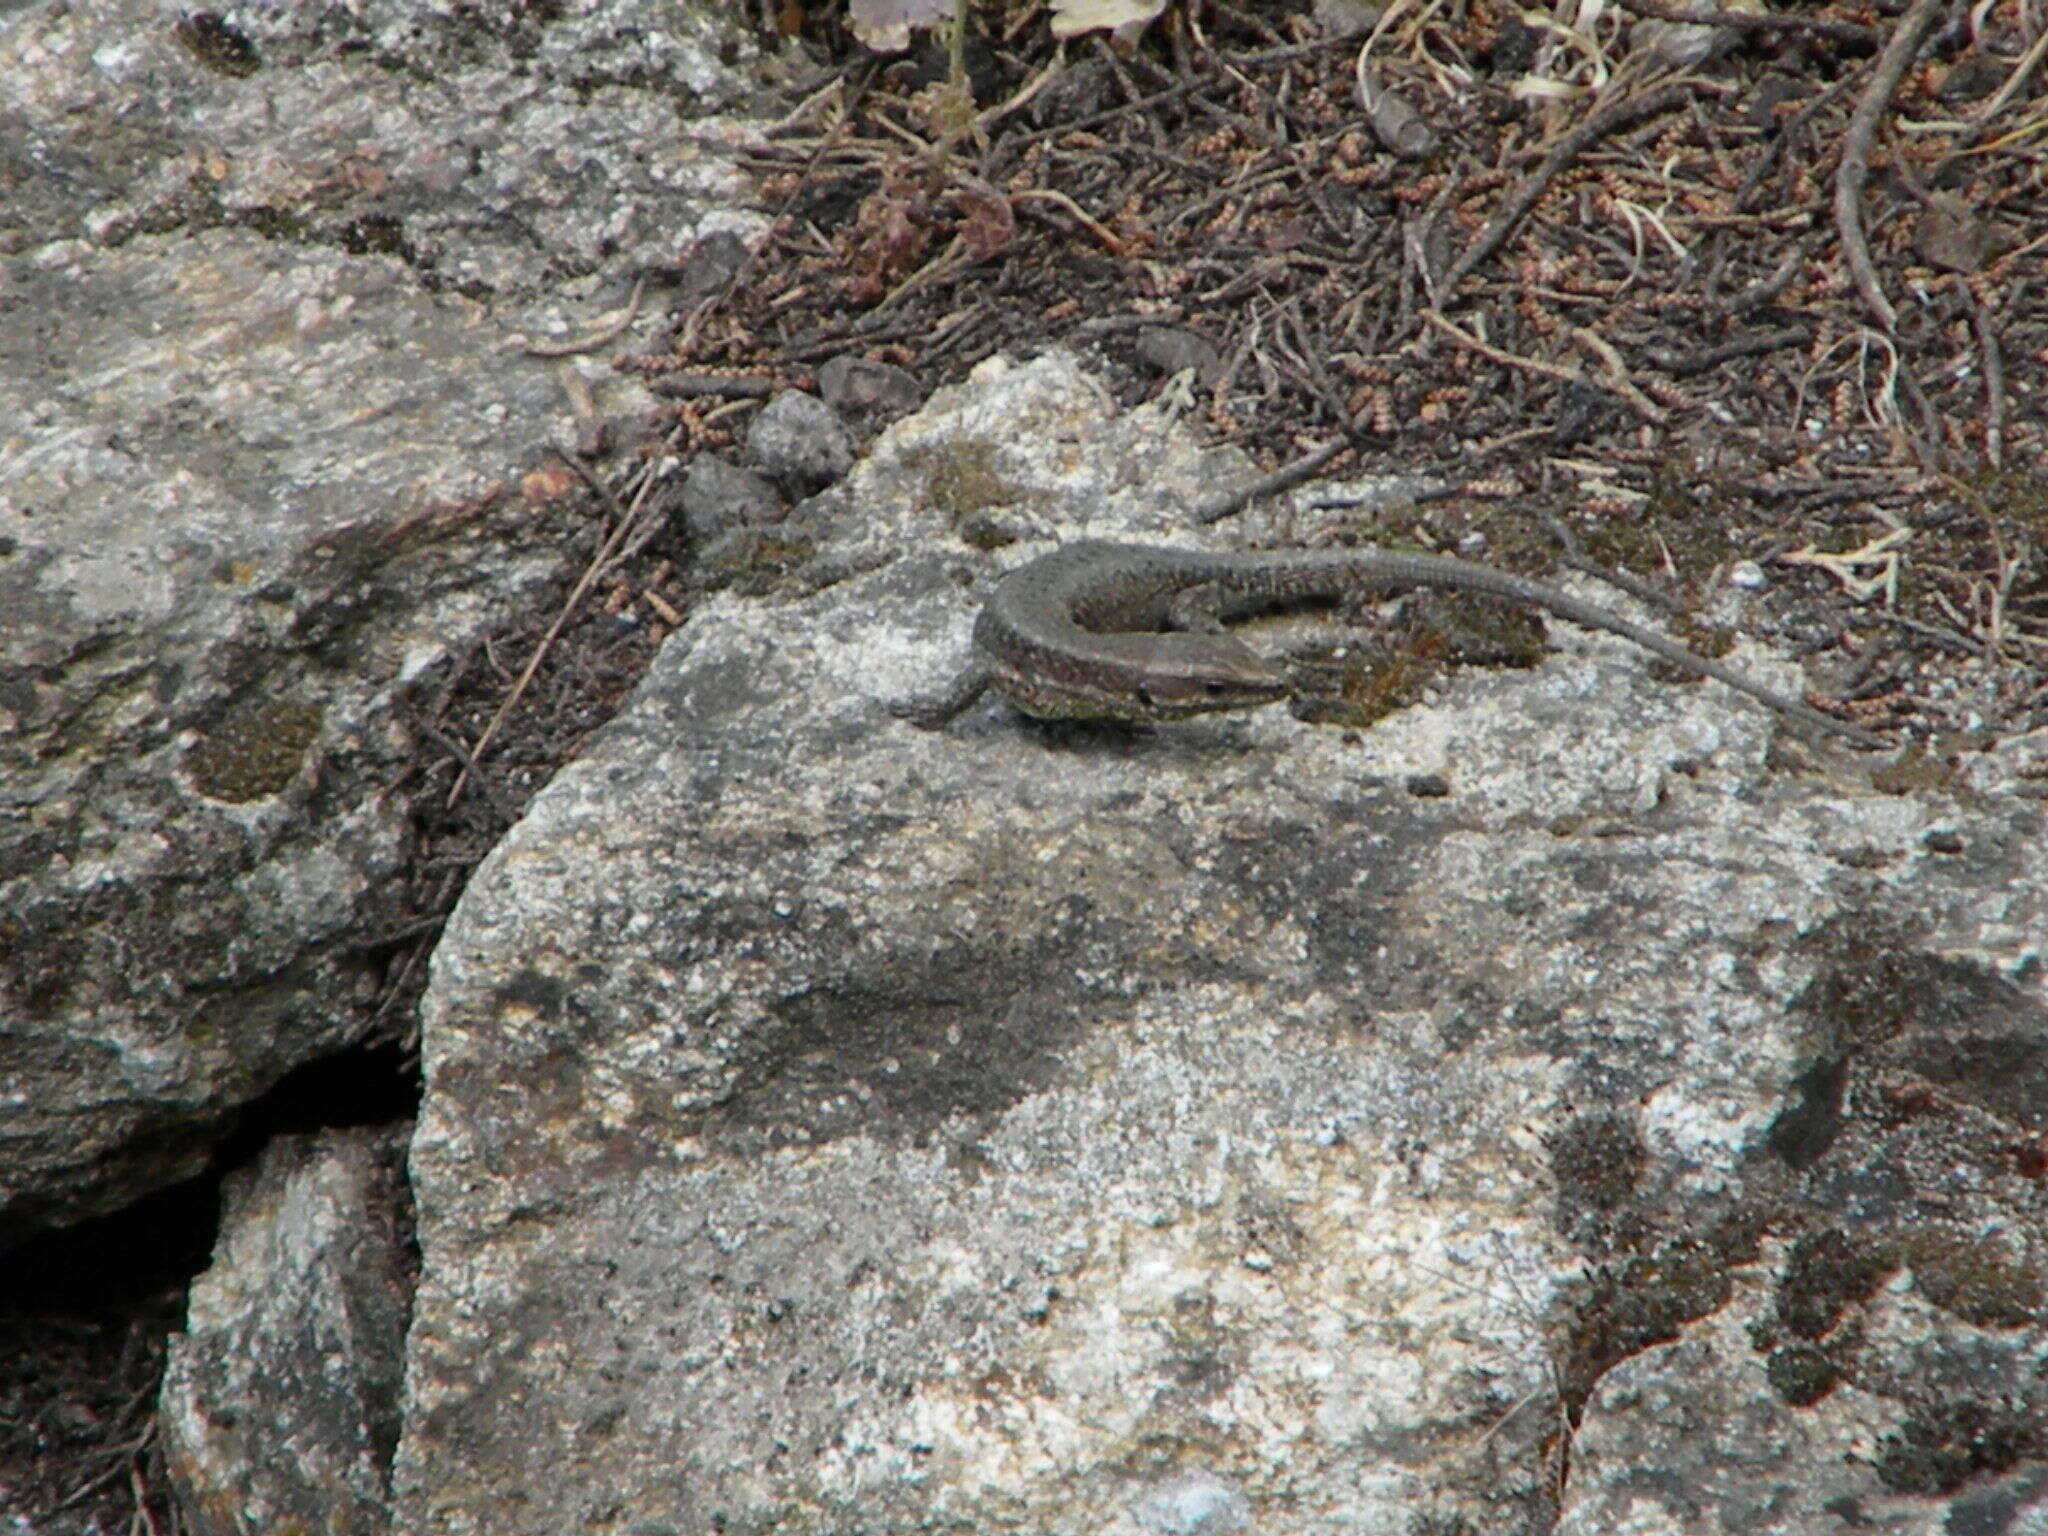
(1095, 630)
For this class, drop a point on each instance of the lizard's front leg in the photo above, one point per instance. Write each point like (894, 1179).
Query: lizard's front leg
(933, 711)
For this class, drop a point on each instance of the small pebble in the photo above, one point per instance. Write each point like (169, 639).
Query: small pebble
(800, 442)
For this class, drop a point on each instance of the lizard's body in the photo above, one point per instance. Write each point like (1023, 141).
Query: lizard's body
(1102, 631)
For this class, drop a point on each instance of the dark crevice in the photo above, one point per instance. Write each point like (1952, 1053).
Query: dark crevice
(85, 1312)
(370, 1085)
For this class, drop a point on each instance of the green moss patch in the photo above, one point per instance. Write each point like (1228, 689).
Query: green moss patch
(253, 750)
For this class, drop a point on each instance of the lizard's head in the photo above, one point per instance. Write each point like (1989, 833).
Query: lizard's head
(1146, 678)
(1208, 679)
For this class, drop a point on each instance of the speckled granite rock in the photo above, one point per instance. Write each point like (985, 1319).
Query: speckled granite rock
(834, 1127)
(503, 152)
(280, 1402)
(263, 463)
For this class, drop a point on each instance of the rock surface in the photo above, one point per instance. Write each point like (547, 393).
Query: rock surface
(496, 152)
(263, 467)
(719, 498)
(1244, 1126)
(280, 1401)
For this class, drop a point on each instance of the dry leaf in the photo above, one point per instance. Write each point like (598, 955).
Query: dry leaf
(886, 25)
(1950, 235)
(988, 223)
(1685, 44)
(1681, 44)
(1070, 18)
(1394, 123)
(1346, 18)
(890, 234)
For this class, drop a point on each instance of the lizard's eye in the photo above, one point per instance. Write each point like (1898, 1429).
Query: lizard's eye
(1145, 698)
(1214, 689)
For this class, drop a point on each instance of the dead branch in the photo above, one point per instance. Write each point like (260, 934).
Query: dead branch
(1622, 388)
(1750, 21)
(1219, 505)
(1994, 375)
(1855, 167)
(623, 523)
(1616, 114)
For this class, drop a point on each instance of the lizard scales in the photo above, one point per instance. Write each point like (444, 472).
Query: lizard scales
(1096, 630)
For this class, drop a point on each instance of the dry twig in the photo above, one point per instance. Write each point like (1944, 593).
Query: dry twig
(1220, 504)
(1060, 200)
(1614, 115)
(610, 331)
(1754, 21)
(598, 564)
(1994, 375)
(1621, 386)
(1681, 365)
(1988, 113)
(1617, 373)
(1855, 167)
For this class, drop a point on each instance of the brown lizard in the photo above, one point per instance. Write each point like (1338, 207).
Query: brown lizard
(1134, 632)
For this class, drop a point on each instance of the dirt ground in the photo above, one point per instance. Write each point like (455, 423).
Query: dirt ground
(1647, 297)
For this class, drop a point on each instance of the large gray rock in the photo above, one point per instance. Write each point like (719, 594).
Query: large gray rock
(1696, 1435)
(495, 153)
(238, 531)
(263, 455)
(836, 1127)
(279, 1407)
